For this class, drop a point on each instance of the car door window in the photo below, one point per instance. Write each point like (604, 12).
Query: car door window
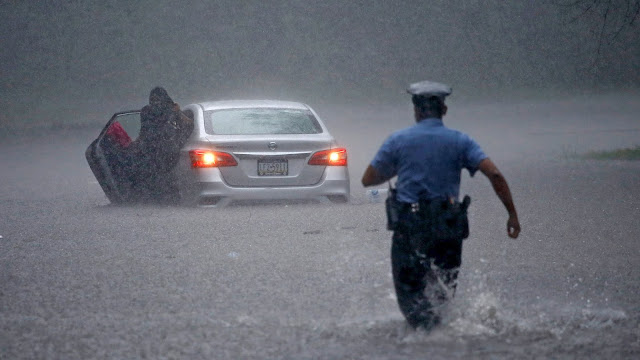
(123, 129)
(130, 122)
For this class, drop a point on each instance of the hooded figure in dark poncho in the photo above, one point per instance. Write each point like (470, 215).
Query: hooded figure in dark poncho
(164, 131)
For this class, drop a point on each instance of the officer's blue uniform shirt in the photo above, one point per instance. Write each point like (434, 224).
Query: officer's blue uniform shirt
(427, 158)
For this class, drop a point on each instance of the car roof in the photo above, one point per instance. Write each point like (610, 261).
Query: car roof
(239, 104)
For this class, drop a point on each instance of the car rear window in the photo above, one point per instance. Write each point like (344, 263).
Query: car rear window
(261, 121)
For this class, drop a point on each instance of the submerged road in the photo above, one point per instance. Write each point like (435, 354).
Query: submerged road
(82, 279)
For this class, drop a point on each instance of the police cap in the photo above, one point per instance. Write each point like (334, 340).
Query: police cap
(429, 88)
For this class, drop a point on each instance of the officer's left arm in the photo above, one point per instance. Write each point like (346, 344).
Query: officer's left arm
(372, 177)
(476, 159)
(499, 183)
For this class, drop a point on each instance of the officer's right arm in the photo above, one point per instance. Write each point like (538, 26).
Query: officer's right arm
(372, 177)
(499, 183)
(382, 167)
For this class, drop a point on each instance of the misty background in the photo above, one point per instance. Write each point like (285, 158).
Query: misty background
(77, 62)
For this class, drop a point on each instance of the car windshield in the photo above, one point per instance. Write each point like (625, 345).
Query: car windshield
(261, 121)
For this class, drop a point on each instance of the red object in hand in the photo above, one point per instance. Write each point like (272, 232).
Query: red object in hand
(117, 134)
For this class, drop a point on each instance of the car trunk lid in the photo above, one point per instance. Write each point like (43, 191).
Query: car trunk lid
(274, 160)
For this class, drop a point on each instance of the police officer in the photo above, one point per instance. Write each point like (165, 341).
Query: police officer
(428, 158)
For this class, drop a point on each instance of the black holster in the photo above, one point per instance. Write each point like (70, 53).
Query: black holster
(394, 208)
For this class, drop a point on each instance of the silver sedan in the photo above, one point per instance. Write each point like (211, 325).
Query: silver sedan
(239, 150)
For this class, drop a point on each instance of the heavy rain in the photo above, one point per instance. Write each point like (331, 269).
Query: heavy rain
(539, 85)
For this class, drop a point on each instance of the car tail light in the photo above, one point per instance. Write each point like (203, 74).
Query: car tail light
(332, 157)
(208, 158)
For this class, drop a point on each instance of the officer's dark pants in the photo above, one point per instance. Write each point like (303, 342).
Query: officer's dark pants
(424, 281)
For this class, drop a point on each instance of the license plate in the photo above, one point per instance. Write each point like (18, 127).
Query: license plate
(273, 167)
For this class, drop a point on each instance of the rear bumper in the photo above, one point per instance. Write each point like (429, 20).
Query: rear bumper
(210, 189)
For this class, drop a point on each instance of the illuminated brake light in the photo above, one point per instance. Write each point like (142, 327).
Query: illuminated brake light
(332, 157)
(208, 158)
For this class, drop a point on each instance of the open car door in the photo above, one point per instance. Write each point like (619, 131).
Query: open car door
(109, 156)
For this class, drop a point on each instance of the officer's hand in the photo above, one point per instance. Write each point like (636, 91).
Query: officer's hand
(513, 227)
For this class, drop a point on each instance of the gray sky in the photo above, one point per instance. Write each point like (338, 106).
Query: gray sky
(65, 57)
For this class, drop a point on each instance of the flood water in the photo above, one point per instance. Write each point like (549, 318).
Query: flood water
(82, 279)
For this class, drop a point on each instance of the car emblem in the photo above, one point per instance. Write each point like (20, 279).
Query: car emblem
(273, 145)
